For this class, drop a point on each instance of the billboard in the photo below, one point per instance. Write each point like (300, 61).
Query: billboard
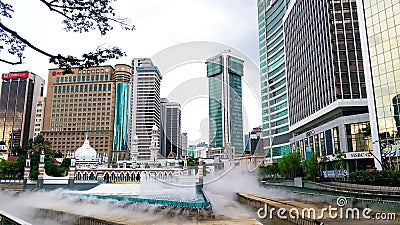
(14, 75)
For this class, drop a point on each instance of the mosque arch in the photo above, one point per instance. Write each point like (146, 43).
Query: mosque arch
(92, 176)
(107, 177)
(85, 175)
(112, 177)
(78, 176)
(127, 177)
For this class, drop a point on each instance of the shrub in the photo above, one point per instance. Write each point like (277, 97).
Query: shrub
(381, 178)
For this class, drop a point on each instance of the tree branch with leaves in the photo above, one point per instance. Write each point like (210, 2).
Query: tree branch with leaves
(78, 16)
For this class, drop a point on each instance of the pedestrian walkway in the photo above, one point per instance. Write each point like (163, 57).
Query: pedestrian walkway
(359, 187)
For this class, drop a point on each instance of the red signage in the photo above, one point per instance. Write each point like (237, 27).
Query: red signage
(15, 75)
(55, 73)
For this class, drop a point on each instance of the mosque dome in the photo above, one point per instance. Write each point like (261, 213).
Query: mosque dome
(86, 152)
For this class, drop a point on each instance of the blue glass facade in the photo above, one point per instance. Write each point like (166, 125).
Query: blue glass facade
(121, 124)
(275, 117)
(224, 74)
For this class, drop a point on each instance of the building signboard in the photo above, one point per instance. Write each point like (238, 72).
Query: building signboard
(14, 75)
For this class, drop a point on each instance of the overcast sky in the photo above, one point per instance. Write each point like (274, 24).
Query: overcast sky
(160, 24)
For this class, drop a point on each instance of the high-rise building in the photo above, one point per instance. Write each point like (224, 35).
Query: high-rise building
(184, 144)
(80, 104)
(122, 78)
(275, 116)
(224, 73)
(326, 84)
(173, 129)
(145, 103)
(380, 35)
(171, 125)
(163, 137)
(39, 115)
(20, 92)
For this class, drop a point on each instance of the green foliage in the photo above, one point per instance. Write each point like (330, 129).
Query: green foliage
(15, 169)
(270, 170)
(290, 165)
(192, 162)
(33, 175)
(66, 163)
(381, 178)
(18, 151)
(311, 167)
(54, 170)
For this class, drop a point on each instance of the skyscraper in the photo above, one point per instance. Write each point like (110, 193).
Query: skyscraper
(275, 116)
(326, 83)
(171, 128)
(19, 95)
(184, 144)
(224, 73)
(145, 103)
(39, 115)
(80, 104)
(122, 78)
(163, 137)
(380, 35)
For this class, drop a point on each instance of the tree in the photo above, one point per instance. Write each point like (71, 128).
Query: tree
(340, 162)
(290, 165)
(311, 167)
(78, 16)
(270, 170)
(18, 151)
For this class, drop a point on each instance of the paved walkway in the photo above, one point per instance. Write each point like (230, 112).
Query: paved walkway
(358, 187)
(300, 205)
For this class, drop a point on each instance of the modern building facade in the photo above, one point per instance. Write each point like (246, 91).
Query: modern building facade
(122, 78)
(163, 137)
(39, 116)
(80, 104)
(224, 73)
(380, 35)
(145, 111)
(171, 129)
(275, 116)
(184, 144)
(20, 92)
(328, 107)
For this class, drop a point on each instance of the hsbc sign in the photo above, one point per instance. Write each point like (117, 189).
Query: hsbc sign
(14, 75)
(358, 155)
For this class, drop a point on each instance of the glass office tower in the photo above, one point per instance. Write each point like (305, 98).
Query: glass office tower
(380, 35)
(224, 74)
(275, 119)
(19, 94)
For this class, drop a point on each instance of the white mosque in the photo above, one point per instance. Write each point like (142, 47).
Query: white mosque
(87, 157)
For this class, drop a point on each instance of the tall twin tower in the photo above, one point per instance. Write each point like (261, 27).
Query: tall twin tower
(224, 73)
